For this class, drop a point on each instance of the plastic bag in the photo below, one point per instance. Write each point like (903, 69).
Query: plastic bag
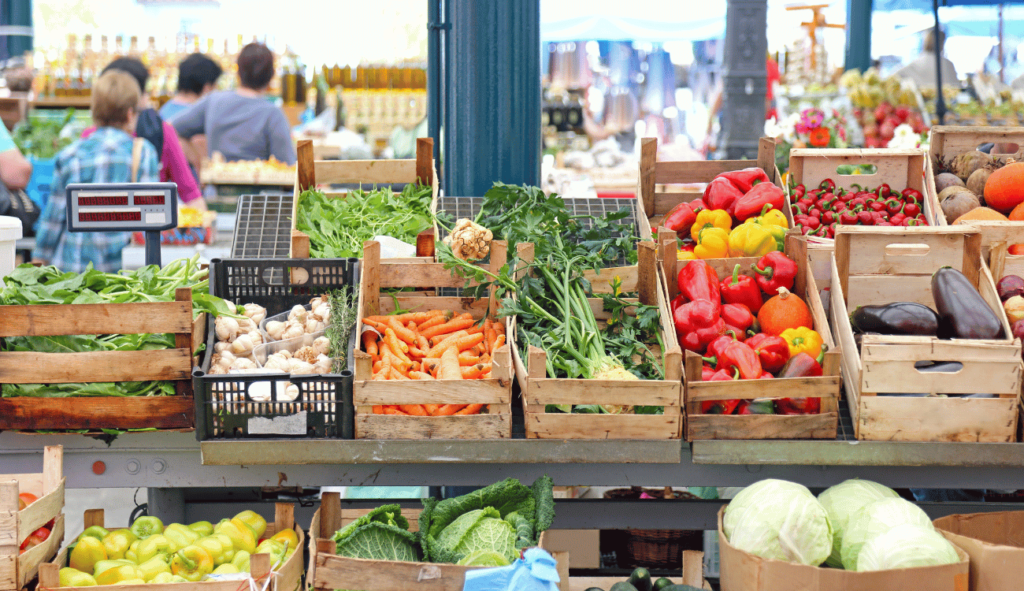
(536, 571)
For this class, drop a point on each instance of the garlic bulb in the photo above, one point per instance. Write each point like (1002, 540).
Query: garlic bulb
(322, 365)
(322, 345)
(275, 330)
(245, 325)
(242, 345)
(291, 392)
(285, 353)
(312, 325)
(297, 313)
(227, 328)
(322, 312)
(277, 363)
(225, 360)
(301, 367)
(293, 331)
(244, 363)
(256, 336)
(221, 346)
(255, 312)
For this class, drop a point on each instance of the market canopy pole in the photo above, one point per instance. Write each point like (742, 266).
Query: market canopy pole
(744, 78)
(858, 36)
(491, 123)
(940, 101)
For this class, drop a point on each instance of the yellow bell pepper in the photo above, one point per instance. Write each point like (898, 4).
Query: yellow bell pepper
(773, 217)
(751, 240)
(803, 340)
(685, 255)
(712, 243)
(710, 218)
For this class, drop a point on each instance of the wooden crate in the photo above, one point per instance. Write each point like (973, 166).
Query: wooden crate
(101, 412)
(364, 172)
(328, 571)
(826, 387)
(653, 205)
(693, 575)
(494, 423)
(17, 570)
(892, 265)
(949, 141)
(288, 577)
(538, 390)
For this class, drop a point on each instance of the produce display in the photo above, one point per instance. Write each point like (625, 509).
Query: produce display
(217, 170)
(975, 186)
(640, 580)
(487, 527)
(856, 525)
(337, 228)
(41, 534)
(40, 136)
(149, 552)
(882, 105)
(818, 211)
(739, 215)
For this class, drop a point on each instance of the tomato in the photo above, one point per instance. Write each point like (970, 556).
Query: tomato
(37, 537)
(26, 499)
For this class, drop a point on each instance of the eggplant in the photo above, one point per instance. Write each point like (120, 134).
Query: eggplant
(899, 318)
(963, 313)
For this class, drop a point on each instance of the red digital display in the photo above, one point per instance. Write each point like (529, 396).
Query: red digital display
(94, 201)
(149, 199)
(110, 216)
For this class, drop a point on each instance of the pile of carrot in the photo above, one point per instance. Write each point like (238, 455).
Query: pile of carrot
(434, 345)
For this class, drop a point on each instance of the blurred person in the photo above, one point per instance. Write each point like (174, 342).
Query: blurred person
(922, 69)
(242, 124)
(15, 170)
(197, 77)
(173, 164)
(110, 154)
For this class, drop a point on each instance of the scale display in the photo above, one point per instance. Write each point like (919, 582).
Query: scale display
(127, 207)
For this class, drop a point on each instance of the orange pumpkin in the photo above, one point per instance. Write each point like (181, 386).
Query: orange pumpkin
(783, 311)
(1005, 188)
(980, 214)
(1017, 215)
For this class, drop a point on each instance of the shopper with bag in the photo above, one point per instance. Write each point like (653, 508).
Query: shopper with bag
(15, 173)
(109, 155)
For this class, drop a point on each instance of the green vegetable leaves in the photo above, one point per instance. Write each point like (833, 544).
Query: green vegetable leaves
(383, 534)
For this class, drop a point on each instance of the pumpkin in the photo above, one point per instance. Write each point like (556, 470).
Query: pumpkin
(981, 214)
(785, 310)
(1017, 215)
(1005, 188)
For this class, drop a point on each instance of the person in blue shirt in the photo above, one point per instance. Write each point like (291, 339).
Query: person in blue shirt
(197, 77)
(15, 170)
(109, 155)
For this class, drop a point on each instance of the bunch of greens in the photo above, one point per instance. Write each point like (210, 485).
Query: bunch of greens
(337, 228)
(29, 285)
(343, 304)
(40, 136)
(487, 527)
(382, 534)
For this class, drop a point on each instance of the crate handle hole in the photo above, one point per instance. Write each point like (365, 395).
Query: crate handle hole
(907, 250)
(1001, 148)
(942, 367)
(856, 169)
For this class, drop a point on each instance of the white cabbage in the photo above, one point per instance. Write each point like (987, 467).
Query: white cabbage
(906, 546)
(875, 519)
(779, 520)
(842, 501)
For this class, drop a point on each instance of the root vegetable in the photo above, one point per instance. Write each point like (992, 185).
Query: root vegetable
(297, 313)
(255, 312)
(946, 180)
(469, 241)
(976, 182)
(275, 329)
(965, 164)
(959, 203)
(293, 330)
(227, 328)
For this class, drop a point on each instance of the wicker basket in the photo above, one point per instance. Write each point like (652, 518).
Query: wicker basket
(655, 548)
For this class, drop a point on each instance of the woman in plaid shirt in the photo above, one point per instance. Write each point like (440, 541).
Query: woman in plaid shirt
(104, 157)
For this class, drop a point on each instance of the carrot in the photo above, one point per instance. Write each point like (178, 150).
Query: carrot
(402, 332)
(416, 317)
(466, 358)
(468, 342)
(394, 411)
(485, 358)
(419, 375)
(449, 409)
(396, 361)
(417, 352)
(396, 374)
(385, 368)
(424, 344)
(370, 343)
(394, 342)
(459, 323)
(435, 321)
(448, 369)
(377, 324)
(431, 408)
(498, 342)
(377, 365)
(378, 410)
(486, 376)
(471, 409)
(490, 335)
(477, 328)
(439, 348)
(430, 363)
(414, 409)
(472, 372)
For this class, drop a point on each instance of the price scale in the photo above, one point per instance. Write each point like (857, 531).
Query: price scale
(124, 207)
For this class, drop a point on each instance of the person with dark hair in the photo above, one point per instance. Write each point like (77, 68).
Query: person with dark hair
(173, 165)
(242, 124)
(197, 77)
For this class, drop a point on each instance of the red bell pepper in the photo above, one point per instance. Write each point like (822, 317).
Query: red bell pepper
(799, 406)
(698, 281)
(677, 301)
(717, 347)
(766, 376)
(763, 195)
(801, 365)
(740, 356)
(756, 407)
(721, 407)
(680, 218)
(774, 271)
(741, 289)
(772, 351)
(735, 331)
(738, 316)
(746, 178)
(721, 193)
(697, 324)
(706, 371)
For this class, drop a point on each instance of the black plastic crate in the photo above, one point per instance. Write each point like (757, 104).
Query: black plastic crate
(232, 406)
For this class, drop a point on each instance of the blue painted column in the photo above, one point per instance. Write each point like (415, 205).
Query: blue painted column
(858, 34)
(491, 125)
(744, 78)
(16, 22)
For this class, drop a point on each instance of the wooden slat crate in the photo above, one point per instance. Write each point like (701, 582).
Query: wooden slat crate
(826, 387)
(495, 422)
(328, 571)
(881, 266)
(100, 412)
(653, 205)
(17, 570)
(539, 390)
(288, 577)
(365, 172)
(692, 575)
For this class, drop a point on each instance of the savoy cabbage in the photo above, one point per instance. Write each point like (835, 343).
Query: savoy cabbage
(382, 534)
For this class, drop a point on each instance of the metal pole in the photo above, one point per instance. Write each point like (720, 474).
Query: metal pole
(940, 102)
(744, 78)
(858, 38)
(434, 28)
(153, 248)
(492, 99)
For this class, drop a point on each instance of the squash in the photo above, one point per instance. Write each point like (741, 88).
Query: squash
(783, 311)
(981, 214)
(1017, 215)
(1005, 188)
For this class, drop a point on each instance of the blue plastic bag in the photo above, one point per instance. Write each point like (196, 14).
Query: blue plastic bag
(536, 571)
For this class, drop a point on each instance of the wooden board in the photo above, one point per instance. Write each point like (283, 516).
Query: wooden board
(693, 575)
(949, 141)
(105, 412)
(17, 570)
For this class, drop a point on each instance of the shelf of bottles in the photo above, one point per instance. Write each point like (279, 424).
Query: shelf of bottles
(378, 98)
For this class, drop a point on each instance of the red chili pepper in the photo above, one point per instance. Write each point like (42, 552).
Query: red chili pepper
(883, 191)
(741, 289)
(848, 217)
(772, 351)
(888, 224)
(698, 281)
(806, 204)
(743, 358)
(828, 217)
(858, 202)
(721, 193)
(774, 271)
(912, 209)
(813, 222)
(877, 206)
(799, 191)
(916, 195)
(739, 316)
(746, 178)
(897, 220)
(828, 185)
(680, 218)
(697, 324)
(865, 218)
(758, 200)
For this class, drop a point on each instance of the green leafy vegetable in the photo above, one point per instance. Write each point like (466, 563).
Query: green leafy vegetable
(383, 534)
(337, 228)
(40, 136)
(343, 304)
(482, 530)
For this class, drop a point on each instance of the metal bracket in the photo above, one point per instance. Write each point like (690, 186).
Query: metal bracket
(436, 26)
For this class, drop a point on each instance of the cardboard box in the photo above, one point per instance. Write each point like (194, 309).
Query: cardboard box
(995, 543)
(742, 571)
(583, 546)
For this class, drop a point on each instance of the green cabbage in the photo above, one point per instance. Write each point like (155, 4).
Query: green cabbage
(842, 501)
(875, 519)
(906, 546)
(482, 530)
(779, 520)
(484, 558)
(382, 534)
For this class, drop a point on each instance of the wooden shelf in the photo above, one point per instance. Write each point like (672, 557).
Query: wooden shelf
(62, 102)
